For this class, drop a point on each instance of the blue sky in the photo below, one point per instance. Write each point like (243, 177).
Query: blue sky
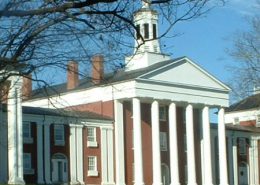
(206, 40)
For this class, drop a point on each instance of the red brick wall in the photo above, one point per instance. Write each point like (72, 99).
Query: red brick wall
(128, 142)
(248, 123)
(87, 151)
(102, 108)
(147, 143)
(181, 148)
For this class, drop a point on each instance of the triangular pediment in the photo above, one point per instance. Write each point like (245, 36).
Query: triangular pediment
(184, 72)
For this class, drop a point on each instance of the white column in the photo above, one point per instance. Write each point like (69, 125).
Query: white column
(110, 156)
(104, 156)
(157, 175)
(19, 135)
(79, 153)
(256, 170)
(235, 166)
(252, 163)
(119, 143)
(174, 163)
(47, 159)
(12, 140)
(73, 166)
(138, 155)
(207, 146)
(223, 174)
(191, 168)
(39, 154)
(230, 159)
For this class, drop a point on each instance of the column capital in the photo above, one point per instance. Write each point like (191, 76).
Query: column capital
(76, 125)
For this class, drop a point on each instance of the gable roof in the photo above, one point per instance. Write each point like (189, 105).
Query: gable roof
(250, 102)
(122, 75)
(113, 77)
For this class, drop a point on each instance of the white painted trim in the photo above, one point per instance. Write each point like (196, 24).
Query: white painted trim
(191, 165)
(110, 156)
(40, 153)
(73, 164)
(174, 158)
(138, 154)
(79, 154)
(206, 146)
(47, 159)
(235, 164)
(119, 142)
(223, 174)
(156, 152)
(104, 150)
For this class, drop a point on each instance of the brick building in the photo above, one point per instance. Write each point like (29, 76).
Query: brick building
(146, 124)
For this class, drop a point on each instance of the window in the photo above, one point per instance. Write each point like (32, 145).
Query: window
(59, 135)
(27, 132)
(91, 137)
(242, 146)
(138, 31)
(154, 31)
(162, 113)
(92, 166)
(27, 163)
(258, 120)
(163, 141)
(146, 31)
(236, 121)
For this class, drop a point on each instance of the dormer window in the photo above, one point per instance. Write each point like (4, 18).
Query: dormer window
(146, 31)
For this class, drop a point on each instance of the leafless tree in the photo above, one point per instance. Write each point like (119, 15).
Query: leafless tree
(246, 51)
(43, 35)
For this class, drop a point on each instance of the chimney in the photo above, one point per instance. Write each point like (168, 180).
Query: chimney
(72, 75)
(27, 87)
(97, 69)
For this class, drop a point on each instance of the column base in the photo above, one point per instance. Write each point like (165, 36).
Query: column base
(192, 183)
(16, 181)
(176, 183)
(157, 183)
(40, 182)
(139, 183)
(109, 183)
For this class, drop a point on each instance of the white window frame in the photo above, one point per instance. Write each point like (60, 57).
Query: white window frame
(257, 120)
(92, 140)
(92, 172)
(162, 113)
(27, 164)
(163, 141)
(59, 142)
(242, 146)
(27, 139)
(236, 121)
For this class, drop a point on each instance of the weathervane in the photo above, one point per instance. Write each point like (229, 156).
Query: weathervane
(146, 4)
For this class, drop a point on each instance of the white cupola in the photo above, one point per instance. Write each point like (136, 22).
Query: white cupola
(147, 48)
(146, 22)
